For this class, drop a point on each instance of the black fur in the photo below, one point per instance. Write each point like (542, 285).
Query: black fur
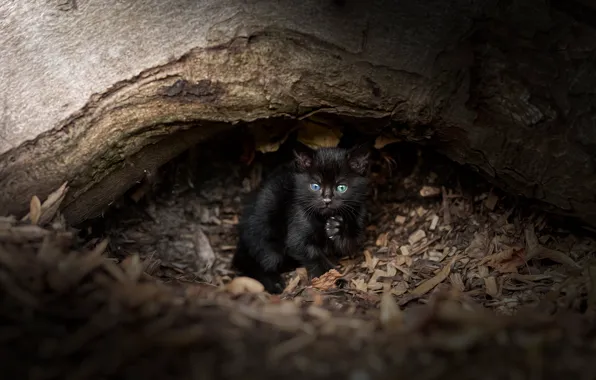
(288, 225)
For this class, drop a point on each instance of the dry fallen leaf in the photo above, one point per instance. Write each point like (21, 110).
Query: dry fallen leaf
(457, 281)
(382, 240)
(292, 284)
(360, 284)
(326, 281)
(268, 138)
(317, 135)
(369, 261)
(479, 245)
(241, 285)
(384, 140)
(35, 209)
(203, 249)
(537, 250)
(506, 261)
(49, 207)
(427, 285)
(400, 288)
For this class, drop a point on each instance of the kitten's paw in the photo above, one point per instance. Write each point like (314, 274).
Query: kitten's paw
(332, 226)
(273, 284)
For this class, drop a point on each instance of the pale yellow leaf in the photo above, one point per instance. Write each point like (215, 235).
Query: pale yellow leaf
(35, 209)
(48, 209)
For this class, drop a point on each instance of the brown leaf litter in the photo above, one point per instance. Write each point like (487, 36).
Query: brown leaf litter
(443, 278)
(70, 312)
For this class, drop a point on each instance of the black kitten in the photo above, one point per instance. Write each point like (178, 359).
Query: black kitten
(304, 212)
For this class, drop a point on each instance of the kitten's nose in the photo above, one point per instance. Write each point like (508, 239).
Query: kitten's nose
(326, 200)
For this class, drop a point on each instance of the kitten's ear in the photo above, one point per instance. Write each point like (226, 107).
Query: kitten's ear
(303, 156)
(358, 158)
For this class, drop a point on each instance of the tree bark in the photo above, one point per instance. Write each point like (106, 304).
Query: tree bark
(98, 93)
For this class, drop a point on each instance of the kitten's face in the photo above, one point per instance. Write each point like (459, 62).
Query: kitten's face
(331, 181)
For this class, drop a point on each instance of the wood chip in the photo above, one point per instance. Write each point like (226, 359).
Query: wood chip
(434, 222)
(416, 237)
(400, 219)
(405, 250)
(429, 191)
(490, 284)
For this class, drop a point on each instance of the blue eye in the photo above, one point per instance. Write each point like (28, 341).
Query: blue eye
(342, 188)
(315, 187)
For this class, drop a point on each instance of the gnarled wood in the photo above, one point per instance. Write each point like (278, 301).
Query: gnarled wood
(102, 92)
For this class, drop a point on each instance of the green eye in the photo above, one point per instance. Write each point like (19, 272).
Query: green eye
(342, 188)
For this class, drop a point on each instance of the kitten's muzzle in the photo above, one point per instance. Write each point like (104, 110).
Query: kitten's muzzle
(326, 201)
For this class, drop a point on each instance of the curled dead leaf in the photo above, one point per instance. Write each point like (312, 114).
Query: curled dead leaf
(268, 138)
(317, 135)
(46, 212)
(506, 261)
(384, 140)
(326, 281)
(241, 285)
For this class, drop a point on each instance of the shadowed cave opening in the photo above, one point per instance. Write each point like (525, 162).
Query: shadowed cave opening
(425, 213)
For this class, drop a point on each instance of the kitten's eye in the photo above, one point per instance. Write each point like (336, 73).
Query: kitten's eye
(342, 188)
(315, 187)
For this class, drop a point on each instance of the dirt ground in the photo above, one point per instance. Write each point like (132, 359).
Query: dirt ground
(456, 280)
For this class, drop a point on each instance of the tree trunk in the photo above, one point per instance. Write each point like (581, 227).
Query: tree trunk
(98, 93)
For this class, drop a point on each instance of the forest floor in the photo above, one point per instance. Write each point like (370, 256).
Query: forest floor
(456, 280)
